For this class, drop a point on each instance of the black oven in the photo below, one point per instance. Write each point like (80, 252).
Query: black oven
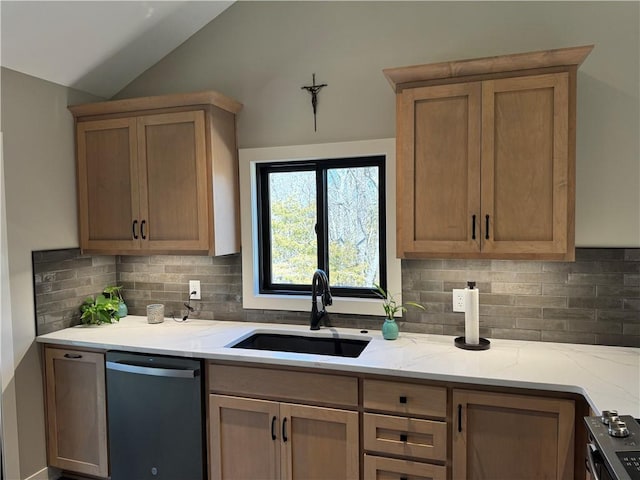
(613, 450)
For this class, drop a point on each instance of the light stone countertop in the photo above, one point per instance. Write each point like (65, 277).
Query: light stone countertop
(608, 377)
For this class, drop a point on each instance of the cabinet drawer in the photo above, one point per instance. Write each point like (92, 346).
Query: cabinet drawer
(380, 468)
(405, 398)
(409, 437)
(314, 388)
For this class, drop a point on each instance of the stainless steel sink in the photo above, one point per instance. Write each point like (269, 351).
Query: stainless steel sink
(335, 345)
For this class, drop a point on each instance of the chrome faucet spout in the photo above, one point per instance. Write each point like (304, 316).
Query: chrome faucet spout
(320, 285)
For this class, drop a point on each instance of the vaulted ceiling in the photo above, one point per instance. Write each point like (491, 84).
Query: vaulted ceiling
(96, 46)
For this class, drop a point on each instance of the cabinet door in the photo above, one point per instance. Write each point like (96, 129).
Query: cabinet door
(173, 161)
(319, 443)
(76, 411)
(439, 170)
(108, 184)
(244, 439)
(506, 436)
(527, 185)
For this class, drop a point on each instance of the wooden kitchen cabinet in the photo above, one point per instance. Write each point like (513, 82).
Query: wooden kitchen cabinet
(158, 175)
(275, 439)
(486, 156)
(76, 411)
(398, 443)
(498, 435)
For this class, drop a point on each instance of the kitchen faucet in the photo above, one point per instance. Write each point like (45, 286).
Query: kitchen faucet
(320, 277)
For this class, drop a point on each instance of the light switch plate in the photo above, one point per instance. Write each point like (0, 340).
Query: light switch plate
(458, 300)
(194, 286)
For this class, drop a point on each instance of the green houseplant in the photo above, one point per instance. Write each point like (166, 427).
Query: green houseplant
(98, 310)
(391, 307)
(114, 292)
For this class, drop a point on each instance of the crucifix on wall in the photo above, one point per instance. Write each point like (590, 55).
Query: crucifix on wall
(314, 90)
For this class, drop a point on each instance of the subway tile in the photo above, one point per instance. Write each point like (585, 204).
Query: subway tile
(631, 329)
(516, 334)
(132, 259)
(595, 326)
(422, 264)
(492, 321)
(569, 313)
(632, 279)
(618, 291)
(632, 254)
(541, 324)
(62, 265)
(619, 315)
(632, 304)
(509, 311)
(596, 279)
(595, 302)
(466, 264)
(517, 288)
(56, 255)
(431, 286)
(623, 340)
(540, 301)
(519, 266)
(496, 299)
(569, 290)
(595, 254)
(568, 337)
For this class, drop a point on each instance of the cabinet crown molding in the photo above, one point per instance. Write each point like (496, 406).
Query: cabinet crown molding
(209, 97)
(400, 77)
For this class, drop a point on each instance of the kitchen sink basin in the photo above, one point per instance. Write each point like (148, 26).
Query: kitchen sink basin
(337, 346)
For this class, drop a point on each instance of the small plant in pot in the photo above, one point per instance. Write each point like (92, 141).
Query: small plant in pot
(114, 293)
(391, 307)
(98, 310)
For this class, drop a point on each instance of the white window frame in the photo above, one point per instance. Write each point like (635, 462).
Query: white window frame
(249, 158)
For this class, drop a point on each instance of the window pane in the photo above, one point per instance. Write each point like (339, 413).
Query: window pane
(352, 203)
(294, 243)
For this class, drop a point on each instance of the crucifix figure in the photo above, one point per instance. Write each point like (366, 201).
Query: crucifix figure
(314, 90)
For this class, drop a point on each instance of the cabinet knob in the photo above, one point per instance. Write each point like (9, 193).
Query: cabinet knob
(403, 437)
(403, 399)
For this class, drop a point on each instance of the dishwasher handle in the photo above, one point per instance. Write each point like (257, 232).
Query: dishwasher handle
(155, 371)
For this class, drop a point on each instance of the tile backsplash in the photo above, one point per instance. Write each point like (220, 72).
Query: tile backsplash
(594, 300)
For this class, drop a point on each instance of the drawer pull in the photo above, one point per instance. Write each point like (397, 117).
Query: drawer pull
(404, 478)
(403, 399)
(273, 428)
(284, 430)
(72, 355)
(403, 437)
(459, 417)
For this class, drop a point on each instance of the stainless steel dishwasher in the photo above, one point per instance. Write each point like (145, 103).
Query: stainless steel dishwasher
(155, 416)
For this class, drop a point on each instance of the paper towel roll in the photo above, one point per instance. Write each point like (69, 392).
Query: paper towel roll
(472, 316)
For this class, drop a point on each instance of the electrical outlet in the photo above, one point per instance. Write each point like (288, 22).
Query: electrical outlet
(458, 299)
(194, 286)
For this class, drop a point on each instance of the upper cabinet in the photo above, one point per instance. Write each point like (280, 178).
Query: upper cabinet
(158, 175)
(486, 156)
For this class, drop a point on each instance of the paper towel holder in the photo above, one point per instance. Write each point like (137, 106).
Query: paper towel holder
(483, 343)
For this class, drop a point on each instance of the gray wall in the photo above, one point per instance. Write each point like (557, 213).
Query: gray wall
(261, 53)
(39, 181)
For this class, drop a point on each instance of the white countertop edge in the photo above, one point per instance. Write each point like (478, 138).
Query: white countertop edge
(513, 363)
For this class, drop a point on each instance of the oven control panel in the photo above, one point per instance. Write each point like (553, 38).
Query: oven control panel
(617, 439)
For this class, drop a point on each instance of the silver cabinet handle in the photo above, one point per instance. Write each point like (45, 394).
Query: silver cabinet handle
(591, 463)
(155, 371)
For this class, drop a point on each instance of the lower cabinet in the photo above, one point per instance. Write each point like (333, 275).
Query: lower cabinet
(76, 411)
(253, 438)
(505, 436)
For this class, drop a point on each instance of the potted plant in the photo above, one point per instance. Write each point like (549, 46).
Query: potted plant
(99, 310)
(391, 307)
(115, 295)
